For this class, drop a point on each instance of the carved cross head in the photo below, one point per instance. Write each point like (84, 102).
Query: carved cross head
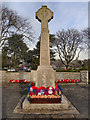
(44, 14)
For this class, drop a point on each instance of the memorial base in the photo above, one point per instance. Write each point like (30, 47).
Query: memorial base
(62, 110)
(27, 106)
(45, 100)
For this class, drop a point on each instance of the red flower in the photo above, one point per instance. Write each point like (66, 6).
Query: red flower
(11, 80)
(56, 86)
(21, 80)
(41, 88)
(34, 87)
(31, 93)
(36, 90)
(27, 82)
(16, 81)
(67, 80)
(72, 80)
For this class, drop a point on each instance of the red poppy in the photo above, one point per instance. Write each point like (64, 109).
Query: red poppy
(65, 80)
(56, 86)
(27, 82)
(59, 81)
(72, 80)
(32, 84)
(16, 81)
(41, 88)
(75, 80)
(31, 93)
(78, 80)
(35, 88)
(20, 80)
(11, 80)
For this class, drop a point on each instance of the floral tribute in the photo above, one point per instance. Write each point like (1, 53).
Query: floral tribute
(42, 92)
(68, 81)
(19, 81)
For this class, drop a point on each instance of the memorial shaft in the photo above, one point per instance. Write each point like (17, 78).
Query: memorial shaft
(44, 46)
(44, 15)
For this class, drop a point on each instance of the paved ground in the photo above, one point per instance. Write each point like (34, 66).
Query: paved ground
(77, 94)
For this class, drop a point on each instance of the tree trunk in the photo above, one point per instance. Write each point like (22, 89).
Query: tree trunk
(67, 66)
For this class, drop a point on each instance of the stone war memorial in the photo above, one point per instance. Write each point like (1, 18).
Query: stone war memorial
(46, 95)
(44, 76)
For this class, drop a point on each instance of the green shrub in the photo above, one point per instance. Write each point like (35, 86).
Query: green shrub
(70, 70)
(77, 70)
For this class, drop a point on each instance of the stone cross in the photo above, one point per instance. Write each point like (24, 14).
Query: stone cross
(44, 75)
(44, 15)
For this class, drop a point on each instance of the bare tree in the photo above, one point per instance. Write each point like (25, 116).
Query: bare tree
(86, 35)
(14, 24)
(68, 45)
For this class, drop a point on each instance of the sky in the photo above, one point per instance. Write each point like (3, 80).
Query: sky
(66, 15)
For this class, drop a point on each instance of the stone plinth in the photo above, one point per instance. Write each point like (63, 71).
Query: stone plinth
(27, 106)
(46, 76)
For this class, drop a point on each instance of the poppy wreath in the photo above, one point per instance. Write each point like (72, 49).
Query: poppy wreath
(33, 90)
(68, 81)
(19, 81)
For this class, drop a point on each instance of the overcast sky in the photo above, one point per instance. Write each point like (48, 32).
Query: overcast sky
(66, 15)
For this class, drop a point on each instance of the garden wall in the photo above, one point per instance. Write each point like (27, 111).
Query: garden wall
(68, 75)
(6, 76)
(83, 75)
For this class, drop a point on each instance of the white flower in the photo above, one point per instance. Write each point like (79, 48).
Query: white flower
(50, 90)
(31, 89)
(39, 93)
